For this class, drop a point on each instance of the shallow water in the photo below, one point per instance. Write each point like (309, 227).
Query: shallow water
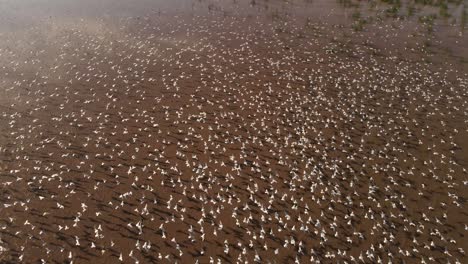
(219, 130)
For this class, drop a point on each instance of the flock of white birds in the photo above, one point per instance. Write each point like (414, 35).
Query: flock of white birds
(218, 139)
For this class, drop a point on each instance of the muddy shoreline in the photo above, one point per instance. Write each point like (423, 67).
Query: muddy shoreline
(232, 132)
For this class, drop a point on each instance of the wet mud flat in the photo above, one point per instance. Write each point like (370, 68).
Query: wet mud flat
(232, 132)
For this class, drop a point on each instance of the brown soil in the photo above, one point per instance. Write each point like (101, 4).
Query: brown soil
(228, 132)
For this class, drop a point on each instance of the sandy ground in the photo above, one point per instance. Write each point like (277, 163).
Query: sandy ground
(232, 132)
